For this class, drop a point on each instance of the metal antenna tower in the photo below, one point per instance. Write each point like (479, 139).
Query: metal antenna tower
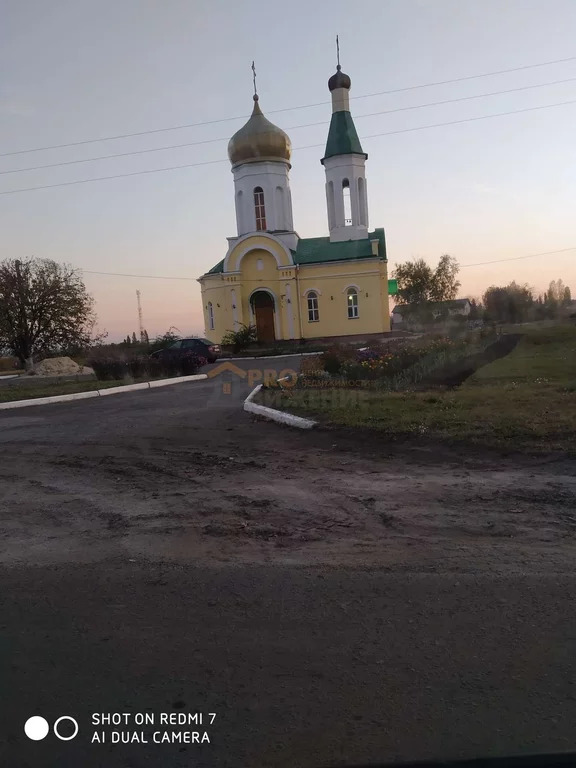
(140, 321)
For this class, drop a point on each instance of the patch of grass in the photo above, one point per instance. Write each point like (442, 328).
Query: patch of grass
(543, 355)
(10, 394)
(523, 402)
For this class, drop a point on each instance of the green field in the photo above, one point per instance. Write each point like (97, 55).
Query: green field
(525, 401)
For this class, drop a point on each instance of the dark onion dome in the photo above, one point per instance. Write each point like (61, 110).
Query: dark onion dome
(339, 80)
(259, 140)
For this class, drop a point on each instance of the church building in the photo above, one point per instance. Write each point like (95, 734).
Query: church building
(287, 286)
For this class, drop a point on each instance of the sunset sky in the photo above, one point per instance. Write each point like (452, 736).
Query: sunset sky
(483, 191)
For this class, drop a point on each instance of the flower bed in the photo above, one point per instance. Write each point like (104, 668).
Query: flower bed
(394, 366)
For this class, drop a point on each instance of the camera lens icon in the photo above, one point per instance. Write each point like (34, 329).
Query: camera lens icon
(37, 728)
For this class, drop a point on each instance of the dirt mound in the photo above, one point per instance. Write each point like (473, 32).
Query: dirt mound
(57, 366)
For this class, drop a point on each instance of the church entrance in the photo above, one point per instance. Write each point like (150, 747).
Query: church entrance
(263, 306)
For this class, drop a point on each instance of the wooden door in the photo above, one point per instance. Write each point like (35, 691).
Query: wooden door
(264, 313)
(265, 324)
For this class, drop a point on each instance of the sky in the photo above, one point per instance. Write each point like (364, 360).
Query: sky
(484, 190)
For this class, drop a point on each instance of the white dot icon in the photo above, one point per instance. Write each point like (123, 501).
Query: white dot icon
(36, 728)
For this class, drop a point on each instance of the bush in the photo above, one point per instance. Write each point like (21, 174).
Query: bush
(335, 357)
(139, 367)
(241, 338)
(9, 364)
(108, 368)
(312, 364)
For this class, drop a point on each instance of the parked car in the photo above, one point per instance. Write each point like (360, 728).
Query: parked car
(201, 347)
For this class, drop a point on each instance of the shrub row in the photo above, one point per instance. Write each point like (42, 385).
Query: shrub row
(139, 367)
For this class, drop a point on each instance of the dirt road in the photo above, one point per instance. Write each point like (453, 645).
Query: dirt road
(183, 472)
(331, 600)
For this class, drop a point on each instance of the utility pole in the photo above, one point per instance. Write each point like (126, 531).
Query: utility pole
(140, 321)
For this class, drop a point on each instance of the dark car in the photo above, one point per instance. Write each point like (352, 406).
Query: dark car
(183, 347)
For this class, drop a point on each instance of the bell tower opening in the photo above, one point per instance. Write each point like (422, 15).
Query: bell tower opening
(347, 203)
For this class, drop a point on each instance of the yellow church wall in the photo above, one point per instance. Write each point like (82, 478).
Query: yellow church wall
(218, 293)
(332, 283)
(289, 285)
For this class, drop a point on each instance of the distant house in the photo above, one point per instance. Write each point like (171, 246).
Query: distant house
(404, 315)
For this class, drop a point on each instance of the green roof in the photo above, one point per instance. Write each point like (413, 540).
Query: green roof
(342, 137)
(218, 268)
(319, 250)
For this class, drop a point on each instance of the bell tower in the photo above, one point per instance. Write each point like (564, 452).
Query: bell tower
(344, 163)
(259, 154)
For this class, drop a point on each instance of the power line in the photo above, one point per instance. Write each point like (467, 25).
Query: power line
(292, 128)
(309, 146)
(462, 266)
(147, 277)
(517, 258)
(287, 109)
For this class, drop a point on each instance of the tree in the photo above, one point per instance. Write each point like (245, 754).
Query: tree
(567, 296)
(165, 340)
(508, 304)
(127, 340)
(145, 337)
(44, 307)
(475, 310)
(134, 339)
(444, 283)
(419, 283)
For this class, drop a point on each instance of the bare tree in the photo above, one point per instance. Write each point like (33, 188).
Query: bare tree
(44, 307)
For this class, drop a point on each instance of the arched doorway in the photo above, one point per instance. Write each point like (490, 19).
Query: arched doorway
(263, 309)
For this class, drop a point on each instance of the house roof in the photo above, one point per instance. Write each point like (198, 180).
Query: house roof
(450, 304)
(319, 250)
(342, 136)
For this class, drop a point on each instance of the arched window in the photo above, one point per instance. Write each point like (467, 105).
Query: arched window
(313, 313)
(352, 303)
(259, 208)
(347, 203)
(210, 316)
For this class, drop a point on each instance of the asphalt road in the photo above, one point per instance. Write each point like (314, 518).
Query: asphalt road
(303, 666)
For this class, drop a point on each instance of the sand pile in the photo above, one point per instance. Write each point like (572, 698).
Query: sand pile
(60, 366)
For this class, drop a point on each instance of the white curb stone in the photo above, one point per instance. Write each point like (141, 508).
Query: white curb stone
(48, 400)
(178, 380)
(271, 357)
(126, 388)
(271, 413)
(99, 392)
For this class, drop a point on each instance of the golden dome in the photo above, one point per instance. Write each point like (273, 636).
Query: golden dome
(259, 140)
